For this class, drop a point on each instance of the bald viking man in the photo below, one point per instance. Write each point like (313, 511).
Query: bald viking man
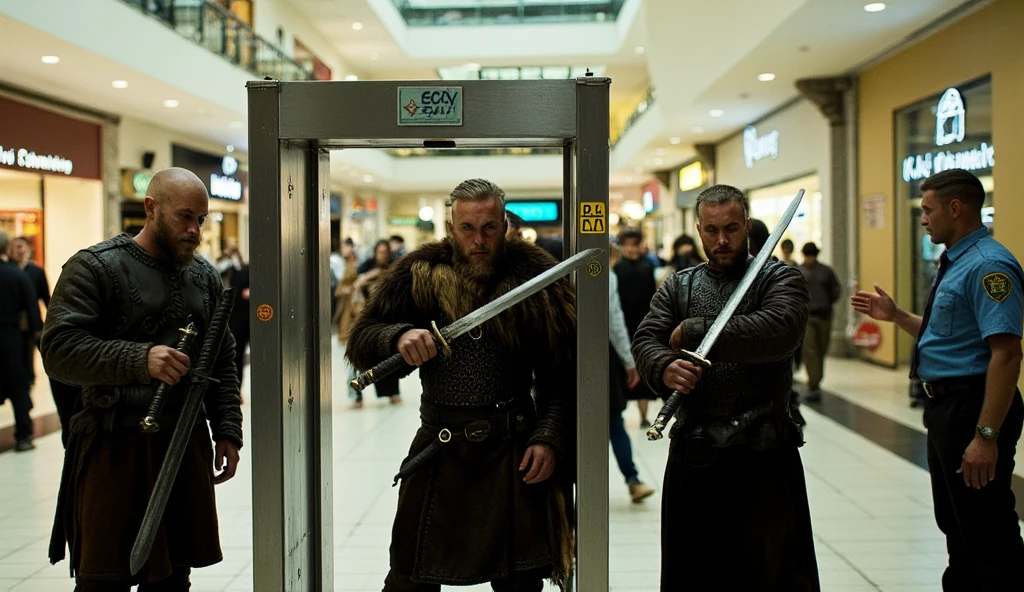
(111, 329)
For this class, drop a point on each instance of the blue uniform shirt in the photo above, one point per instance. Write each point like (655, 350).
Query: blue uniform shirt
(980, 296)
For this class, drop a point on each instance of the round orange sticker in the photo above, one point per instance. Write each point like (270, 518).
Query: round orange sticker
(264, 312)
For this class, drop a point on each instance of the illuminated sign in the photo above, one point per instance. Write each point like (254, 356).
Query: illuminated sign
(534, 211)
(27, 159)
(691, 176)
(757, 147)
(950, 128)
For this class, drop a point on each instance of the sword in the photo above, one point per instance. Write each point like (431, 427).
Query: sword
(182, 431)
(699, 357)
(149, 424)
(479, 316)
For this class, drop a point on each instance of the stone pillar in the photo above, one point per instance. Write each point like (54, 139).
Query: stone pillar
(833, 97)
(111, 142)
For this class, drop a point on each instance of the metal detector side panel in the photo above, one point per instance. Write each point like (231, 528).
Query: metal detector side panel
(339, 111)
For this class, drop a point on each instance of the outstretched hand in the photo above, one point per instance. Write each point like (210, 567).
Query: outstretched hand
(879, 306)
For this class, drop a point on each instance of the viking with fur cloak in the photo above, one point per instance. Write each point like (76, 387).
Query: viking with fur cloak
(486, 489)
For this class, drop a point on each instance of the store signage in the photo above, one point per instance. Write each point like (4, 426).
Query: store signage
(868, 336)
(950, 128)
(27, 159)
(226, 186)
(403, 220)
(650, 196)
(691, 176)
(430, 105)
(757, 147)
(534, 211)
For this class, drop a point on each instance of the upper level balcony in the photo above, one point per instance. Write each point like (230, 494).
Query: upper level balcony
(440, 13)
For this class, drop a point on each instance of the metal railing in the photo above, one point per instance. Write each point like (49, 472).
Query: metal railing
(418, 13)
(640, 109)
(413, 152)
(218, 30)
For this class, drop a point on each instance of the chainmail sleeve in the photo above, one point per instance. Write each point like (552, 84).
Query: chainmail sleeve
(650, 343)
(71, 348)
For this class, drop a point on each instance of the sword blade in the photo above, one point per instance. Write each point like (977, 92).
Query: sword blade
(748, 278)
(510, 299)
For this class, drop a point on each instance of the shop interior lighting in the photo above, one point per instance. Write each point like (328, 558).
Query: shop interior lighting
(475, 72)
(236, 125)
(716, 113)
(171, 103)
(426, 213)
(875, 7)
(358, 26)
(50, 59)
(230, 148)
(766, 77)
(351, 77)
(639, 50)
(367, 178)
(119, 84)
(675, 140)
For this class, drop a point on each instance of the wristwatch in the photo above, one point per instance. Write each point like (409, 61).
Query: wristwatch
(988, 433)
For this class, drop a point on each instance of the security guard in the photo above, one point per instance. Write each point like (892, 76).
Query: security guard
(968, 358)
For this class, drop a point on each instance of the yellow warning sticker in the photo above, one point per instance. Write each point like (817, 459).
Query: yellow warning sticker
(592, 217)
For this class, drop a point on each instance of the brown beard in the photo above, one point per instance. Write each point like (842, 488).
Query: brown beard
(175, 252)
(480, 272)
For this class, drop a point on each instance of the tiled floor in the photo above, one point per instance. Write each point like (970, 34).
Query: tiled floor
(871, 510)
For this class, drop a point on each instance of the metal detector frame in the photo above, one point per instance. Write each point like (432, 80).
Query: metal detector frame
(292, 127)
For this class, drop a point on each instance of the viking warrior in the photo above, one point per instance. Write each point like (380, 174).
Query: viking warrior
(735, 511)
(115, 313)
(485, 492)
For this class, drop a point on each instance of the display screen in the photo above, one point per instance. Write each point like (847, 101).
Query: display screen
(534, 211)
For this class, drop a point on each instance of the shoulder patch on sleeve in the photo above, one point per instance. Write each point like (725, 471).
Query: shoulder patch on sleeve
(997, 285)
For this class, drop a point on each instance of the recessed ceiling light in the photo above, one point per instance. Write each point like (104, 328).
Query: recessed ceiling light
(766, 77)
(236, 125)
(374, 56)
(658, 161)
(119, 84)
(367, 178)
(639, 49)
(675, 140)
(351, 77)
(50, 59)
(875, 7)
(171, 103)
(358, 26)
(698, 129)
(716, 113)
(472, 66)
(230, 148)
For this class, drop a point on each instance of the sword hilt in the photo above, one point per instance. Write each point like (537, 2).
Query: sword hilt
(149, 423)
(396, 363)
(674, 400)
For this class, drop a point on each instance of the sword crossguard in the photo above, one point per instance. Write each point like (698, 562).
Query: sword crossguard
(696, 359)
(445, 348)
(149, 425)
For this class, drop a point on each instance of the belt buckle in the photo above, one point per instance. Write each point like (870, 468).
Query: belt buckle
(928, 389)
(477, 431)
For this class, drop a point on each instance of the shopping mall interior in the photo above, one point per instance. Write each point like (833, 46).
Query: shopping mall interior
(853, 102)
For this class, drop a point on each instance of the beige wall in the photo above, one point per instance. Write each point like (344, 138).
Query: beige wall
(987, 42)
(19, 191)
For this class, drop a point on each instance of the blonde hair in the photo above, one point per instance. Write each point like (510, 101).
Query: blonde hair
(476, 190)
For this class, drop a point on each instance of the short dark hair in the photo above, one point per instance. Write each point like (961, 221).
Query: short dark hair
(630, 234)
(514, 219)
(787, 244)
(397, 238)
(722, 194)
(810, 250)
(758, 234)
(956, 184)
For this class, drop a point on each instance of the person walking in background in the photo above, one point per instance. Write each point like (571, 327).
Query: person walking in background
(20, 325)
(238, 324)
(968, 357)
(787, 252)
(624, 377)
(684, 253)
(637, 286)
(366, 282)
(825, 292)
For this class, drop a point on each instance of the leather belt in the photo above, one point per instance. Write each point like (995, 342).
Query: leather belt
(953, 386)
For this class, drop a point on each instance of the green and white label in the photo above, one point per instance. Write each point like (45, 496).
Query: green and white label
(430, 105)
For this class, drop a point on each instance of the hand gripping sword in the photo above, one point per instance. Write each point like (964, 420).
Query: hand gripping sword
(149, 424)
(699, 357)
(479, 316)
(200, 378)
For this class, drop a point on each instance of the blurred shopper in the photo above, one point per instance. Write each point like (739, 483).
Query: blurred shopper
(369, 273)
(825, 292)
(636, 288)
(19, 330)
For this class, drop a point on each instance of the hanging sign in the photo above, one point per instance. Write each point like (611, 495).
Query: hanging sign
(430, 105)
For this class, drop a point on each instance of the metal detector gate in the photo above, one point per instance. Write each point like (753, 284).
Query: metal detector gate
(292, 126)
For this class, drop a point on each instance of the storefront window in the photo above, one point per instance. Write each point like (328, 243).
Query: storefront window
(768, 204)
(950, 130)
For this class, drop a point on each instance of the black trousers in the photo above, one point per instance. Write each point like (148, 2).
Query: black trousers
(176, 582)
(981, 525)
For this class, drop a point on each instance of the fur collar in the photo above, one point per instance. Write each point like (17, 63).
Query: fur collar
(437, 286)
